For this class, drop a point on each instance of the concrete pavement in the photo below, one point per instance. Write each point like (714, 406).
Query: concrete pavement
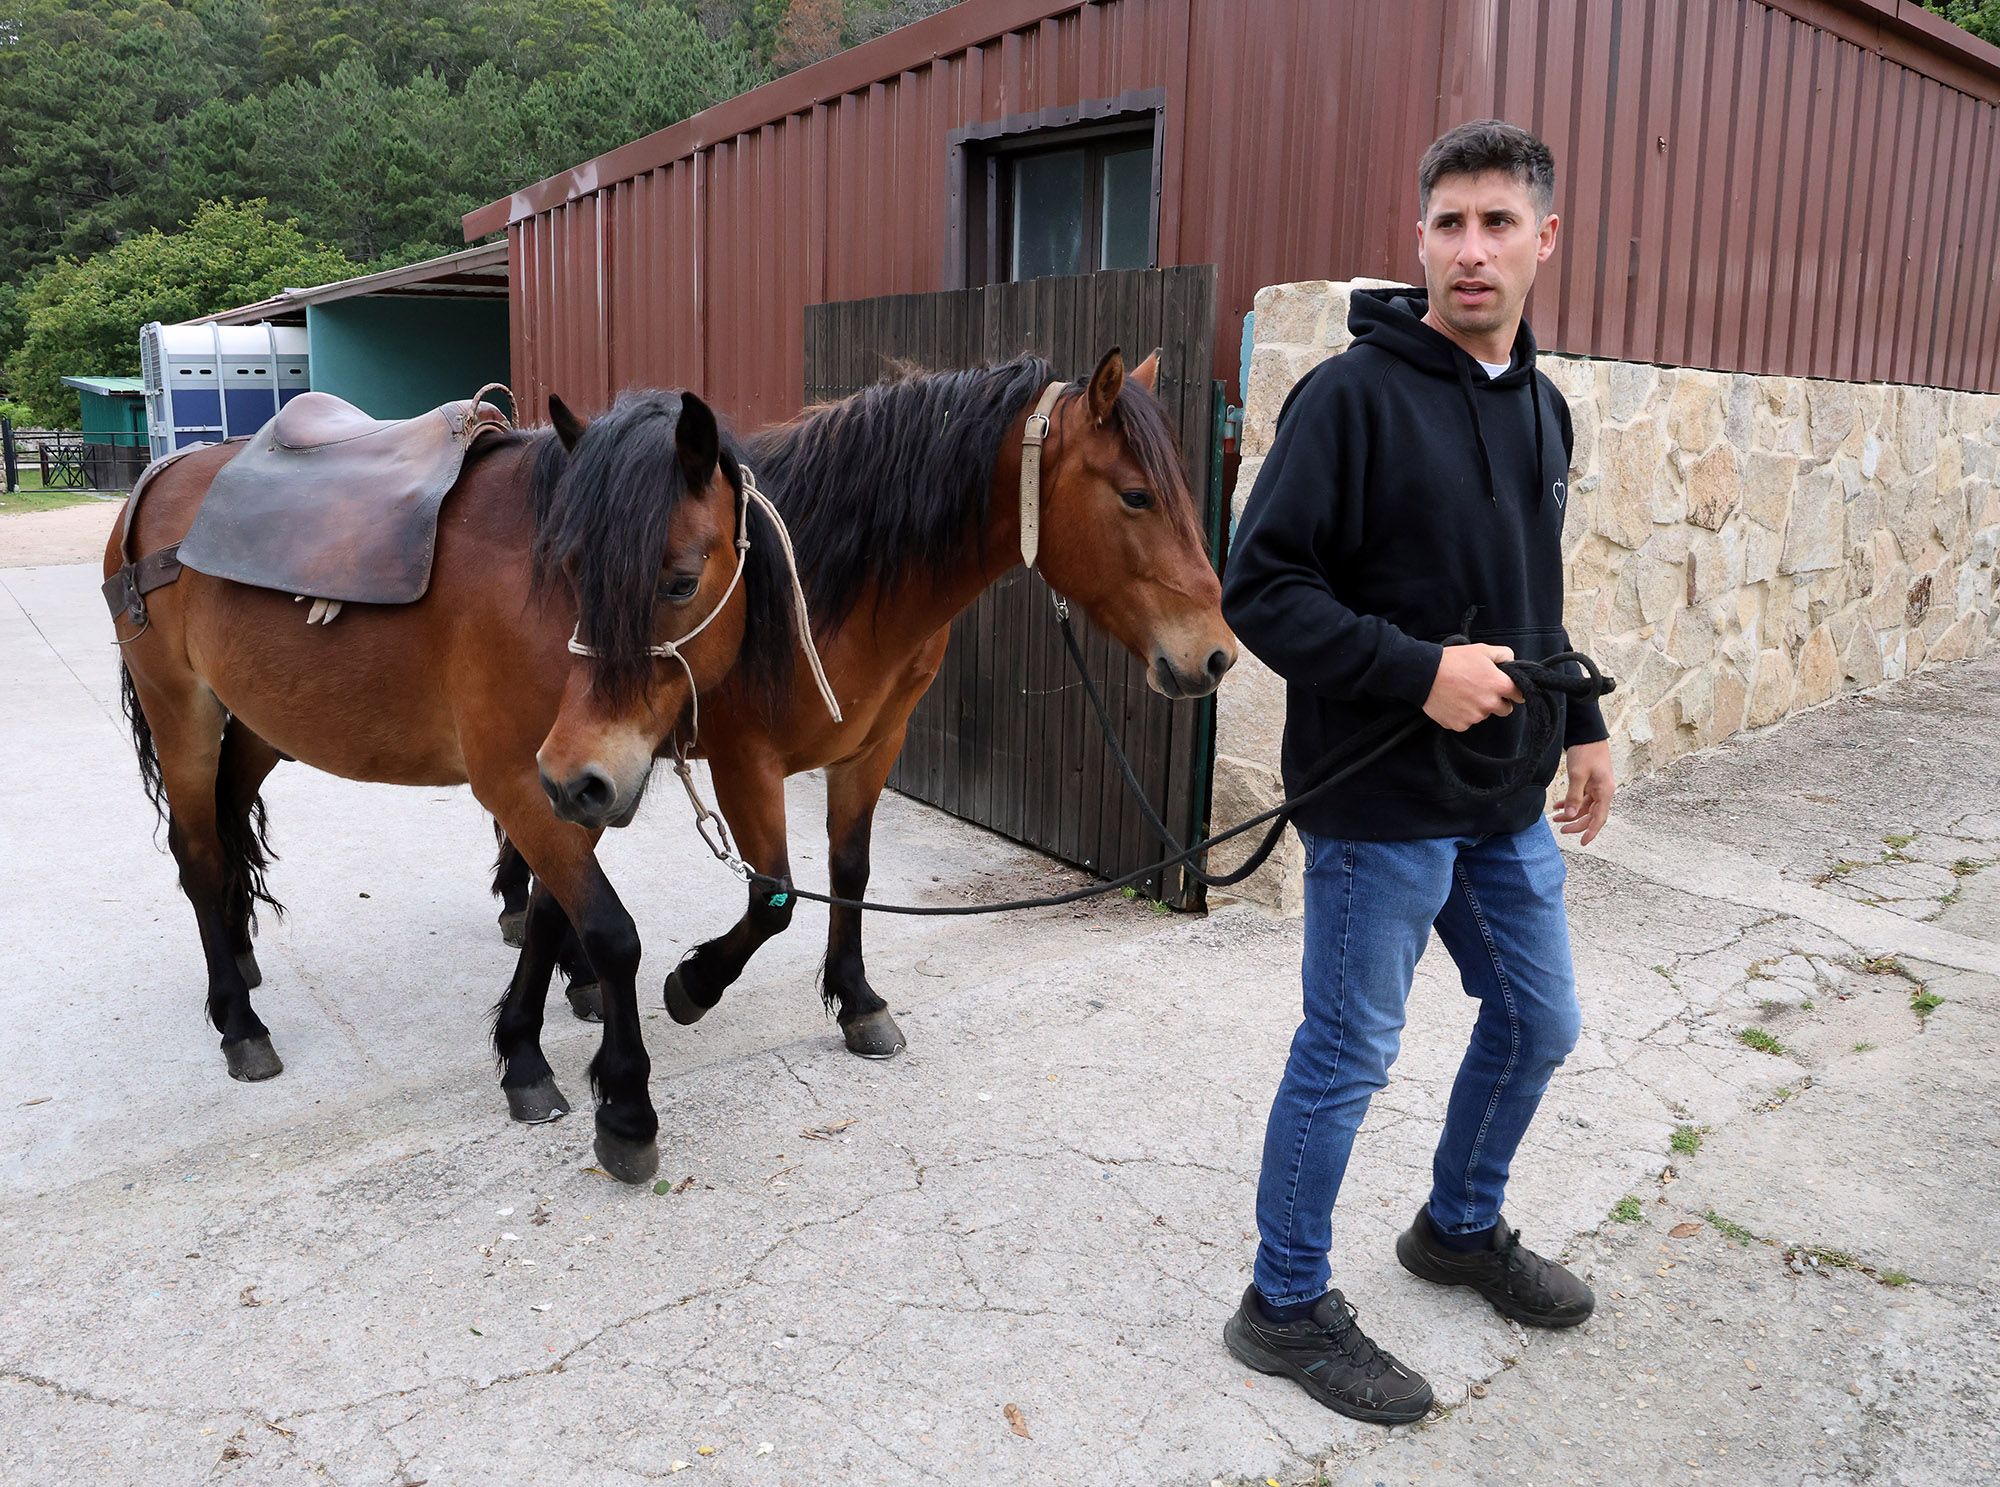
(1007, 1256)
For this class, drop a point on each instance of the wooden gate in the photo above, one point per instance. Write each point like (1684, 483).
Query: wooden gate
(1005, 736)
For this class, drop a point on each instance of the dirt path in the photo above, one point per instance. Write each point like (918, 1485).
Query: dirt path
(74, 534)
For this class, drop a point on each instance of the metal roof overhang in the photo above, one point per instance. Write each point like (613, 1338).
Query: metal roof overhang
(108, 387)
(470, 273)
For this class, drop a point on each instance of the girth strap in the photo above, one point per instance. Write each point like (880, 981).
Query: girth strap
(125, 591)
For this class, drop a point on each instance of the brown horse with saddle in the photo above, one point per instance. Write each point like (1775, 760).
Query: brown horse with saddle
(510, 639)
(907, 501)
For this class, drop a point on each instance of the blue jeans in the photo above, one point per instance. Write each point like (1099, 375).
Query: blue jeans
(1497, 904)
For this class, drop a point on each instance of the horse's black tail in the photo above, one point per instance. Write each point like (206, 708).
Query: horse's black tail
(243, 828)
(142, 744)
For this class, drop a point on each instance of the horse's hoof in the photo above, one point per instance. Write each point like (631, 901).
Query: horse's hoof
(874, 1035)
(246, 966)
(537, 1103)
(628, 1161)
(586, 1000)
(514, 927)
(253, 1059)
(682, 1007)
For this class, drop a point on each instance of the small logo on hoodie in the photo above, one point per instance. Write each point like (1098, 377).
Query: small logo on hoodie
(1562, 495)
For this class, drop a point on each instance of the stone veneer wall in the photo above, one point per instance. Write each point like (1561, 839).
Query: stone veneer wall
(1738, 548)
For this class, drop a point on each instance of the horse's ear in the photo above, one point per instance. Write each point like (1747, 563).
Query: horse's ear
(1105, 384)
(1147, 373)
(569, 428)
(699, 439)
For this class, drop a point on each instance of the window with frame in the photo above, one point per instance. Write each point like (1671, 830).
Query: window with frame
(1059, 194)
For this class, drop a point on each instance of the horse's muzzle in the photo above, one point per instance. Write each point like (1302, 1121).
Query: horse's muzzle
(589, 798)
(1177, 684)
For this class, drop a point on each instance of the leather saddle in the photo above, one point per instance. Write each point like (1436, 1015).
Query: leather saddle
(328, 503)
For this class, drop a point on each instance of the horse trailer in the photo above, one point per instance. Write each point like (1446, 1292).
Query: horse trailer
(206, 383)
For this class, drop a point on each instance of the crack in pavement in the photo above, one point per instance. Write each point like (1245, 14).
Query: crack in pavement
(803, 1083)
(1728, 876)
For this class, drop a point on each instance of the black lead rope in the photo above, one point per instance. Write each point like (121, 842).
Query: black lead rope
(1547, 686)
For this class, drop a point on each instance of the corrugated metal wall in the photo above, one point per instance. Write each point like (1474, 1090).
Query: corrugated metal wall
(1755, 185)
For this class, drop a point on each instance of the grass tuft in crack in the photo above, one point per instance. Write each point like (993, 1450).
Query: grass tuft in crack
(1731, 1231)
(1757, 1038)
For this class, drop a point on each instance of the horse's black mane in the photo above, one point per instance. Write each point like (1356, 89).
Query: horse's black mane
(602, 512)
(893, 483)
(884, 487)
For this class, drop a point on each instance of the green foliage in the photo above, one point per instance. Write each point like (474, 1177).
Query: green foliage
(1980, 17)
(82, 318)
(385, 169)
(1686, 1140)
(1627, 1211)
(375, 124)
(92, 93)
(405, 39)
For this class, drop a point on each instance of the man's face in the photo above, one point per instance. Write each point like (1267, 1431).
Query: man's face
(1481, 244)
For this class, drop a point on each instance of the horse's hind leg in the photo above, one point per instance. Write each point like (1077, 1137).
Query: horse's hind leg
(246, 763)
(852, 789)
(511, 884)
(752, 800)
(582, 989)
(187, 732)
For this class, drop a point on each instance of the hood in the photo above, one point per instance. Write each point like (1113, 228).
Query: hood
(1392, 320)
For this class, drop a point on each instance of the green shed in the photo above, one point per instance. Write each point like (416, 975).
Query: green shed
(114, 429)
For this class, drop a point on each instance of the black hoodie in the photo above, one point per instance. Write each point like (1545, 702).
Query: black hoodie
(1405, 490)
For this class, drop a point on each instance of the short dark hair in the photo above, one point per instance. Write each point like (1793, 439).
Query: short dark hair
(1489, 144)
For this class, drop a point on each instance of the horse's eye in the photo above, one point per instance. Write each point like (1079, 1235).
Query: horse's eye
(1137, 500)
(680, 588)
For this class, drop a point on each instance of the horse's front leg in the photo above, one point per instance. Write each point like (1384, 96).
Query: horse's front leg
(852, 789)
(751, 795)
(564, 862)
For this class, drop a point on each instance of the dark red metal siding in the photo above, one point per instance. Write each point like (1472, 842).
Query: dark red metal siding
(1756, 185)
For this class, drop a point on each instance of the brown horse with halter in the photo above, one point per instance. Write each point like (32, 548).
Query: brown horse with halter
(568, 567)
(907, 501)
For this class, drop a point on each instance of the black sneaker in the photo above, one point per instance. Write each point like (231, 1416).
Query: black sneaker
(1331, 1358)
(1519, 1282)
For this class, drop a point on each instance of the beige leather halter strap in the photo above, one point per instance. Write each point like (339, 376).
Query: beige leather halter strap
(1032, 437)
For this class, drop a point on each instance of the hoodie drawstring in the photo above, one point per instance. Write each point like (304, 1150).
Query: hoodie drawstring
(1479, 431)
(1535, 412)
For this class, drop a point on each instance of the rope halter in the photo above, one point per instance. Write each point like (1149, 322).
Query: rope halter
(672, 649)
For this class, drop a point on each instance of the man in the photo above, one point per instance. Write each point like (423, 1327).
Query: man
(1414, 499)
